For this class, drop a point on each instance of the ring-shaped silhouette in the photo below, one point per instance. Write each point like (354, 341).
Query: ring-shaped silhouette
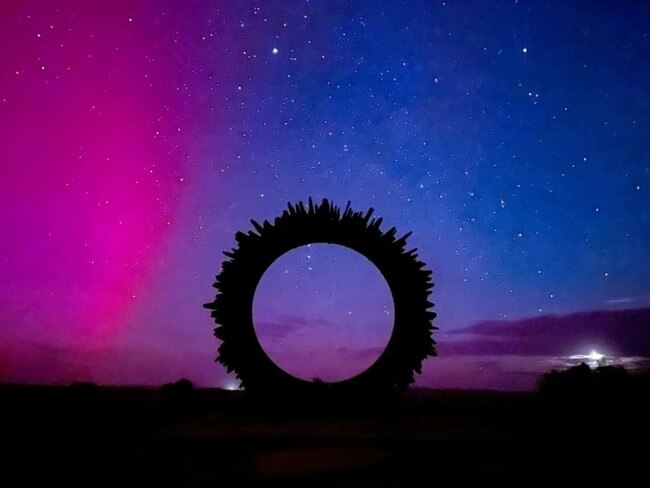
(409, 281)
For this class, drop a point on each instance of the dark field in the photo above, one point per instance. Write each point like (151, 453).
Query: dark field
(136, 436)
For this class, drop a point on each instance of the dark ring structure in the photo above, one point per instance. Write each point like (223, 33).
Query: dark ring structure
(410, 283)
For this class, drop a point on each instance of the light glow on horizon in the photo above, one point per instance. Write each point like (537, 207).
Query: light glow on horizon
(593, 359)
(595, 356)
(232, 386)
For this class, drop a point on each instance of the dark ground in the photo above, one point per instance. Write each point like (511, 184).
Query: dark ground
(100, 436)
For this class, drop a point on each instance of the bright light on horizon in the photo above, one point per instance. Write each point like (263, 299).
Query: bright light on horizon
(232, 386)
(595, 356)
(593, 359)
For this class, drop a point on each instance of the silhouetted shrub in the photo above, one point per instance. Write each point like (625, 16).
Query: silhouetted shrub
(581, 389)
(178, 397)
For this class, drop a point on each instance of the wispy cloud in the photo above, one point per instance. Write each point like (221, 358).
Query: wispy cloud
(614, 301)
(278, 330)
(299, 320)
(616, 332)
(285, 325)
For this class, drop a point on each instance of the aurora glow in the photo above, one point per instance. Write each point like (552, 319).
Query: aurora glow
(138, 137)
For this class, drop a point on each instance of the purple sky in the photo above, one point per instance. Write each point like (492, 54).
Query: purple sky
(317, 307)
(138, 137)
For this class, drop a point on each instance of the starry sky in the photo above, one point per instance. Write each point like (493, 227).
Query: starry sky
(138, 137)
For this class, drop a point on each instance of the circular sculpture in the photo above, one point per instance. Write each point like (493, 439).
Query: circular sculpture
(409, 282)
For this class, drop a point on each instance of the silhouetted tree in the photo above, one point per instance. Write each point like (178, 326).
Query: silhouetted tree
(586, 393)
(571, 384)
(584, 382)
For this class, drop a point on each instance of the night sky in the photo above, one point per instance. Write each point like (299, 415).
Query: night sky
(138, 137)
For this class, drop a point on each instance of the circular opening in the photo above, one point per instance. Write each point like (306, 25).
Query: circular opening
(323, 311)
